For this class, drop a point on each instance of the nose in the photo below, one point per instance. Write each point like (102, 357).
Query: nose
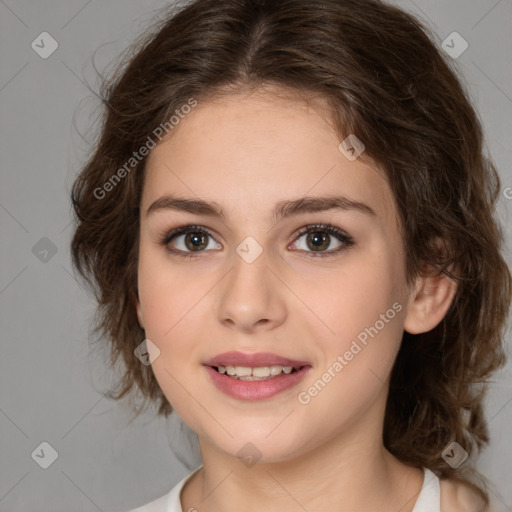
(251, 298)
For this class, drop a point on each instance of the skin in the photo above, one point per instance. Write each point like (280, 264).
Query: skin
(247, 152)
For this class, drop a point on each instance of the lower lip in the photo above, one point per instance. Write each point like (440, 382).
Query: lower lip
(256, 389)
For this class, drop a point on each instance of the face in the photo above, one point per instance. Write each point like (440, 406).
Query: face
(320, 286)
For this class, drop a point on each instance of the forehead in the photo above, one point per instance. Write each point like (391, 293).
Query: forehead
(249, 152)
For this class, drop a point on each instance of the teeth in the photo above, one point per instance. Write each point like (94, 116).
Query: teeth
(257, 373)
(243, 371)
(275, 370)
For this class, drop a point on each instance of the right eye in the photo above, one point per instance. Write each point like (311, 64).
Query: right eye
(188, 239)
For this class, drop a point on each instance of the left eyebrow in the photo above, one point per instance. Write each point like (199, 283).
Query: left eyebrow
(283, 209)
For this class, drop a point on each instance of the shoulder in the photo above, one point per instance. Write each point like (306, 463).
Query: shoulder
(170, 502)
(458, 496)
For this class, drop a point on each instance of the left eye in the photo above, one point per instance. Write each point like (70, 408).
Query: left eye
(317, 239)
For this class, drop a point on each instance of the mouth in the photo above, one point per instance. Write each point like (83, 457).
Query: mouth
(255, 376)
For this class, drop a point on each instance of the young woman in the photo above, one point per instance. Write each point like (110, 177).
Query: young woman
(288, 222)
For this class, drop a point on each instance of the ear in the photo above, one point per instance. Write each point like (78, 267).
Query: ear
(429, 302)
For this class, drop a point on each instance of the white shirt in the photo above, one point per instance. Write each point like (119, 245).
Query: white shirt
(429, 499)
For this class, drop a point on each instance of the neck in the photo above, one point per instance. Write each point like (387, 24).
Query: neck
(352, 471)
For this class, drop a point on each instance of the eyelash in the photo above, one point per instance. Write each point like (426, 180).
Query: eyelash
(346, 239)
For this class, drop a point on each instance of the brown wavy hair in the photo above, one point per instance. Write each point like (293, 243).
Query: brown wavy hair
(386, 82)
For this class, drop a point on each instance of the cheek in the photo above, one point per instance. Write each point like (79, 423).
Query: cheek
(168, 295)
(173, 303)
(352, 297)
(364, 311)
(354, 373)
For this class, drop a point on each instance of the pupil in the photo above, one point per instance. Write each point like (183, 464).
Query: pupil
(319, 240)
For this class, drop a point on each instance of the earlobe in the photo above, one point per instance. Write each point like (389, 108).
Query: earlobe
(429, 303)
(140, 318)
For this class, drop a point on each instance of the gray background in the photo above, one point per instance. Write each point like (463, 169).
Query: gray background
(51, 384)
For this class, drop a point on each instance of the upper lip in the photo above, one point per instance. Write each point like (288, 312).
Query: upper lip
(253, 360)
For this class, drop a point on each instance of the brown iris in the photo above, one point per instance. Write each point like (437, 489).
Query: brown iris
(196, 240)
(318, 240)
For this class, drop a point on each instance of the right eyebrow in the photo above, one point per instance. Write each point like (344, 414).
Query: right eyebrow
(196, 206)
